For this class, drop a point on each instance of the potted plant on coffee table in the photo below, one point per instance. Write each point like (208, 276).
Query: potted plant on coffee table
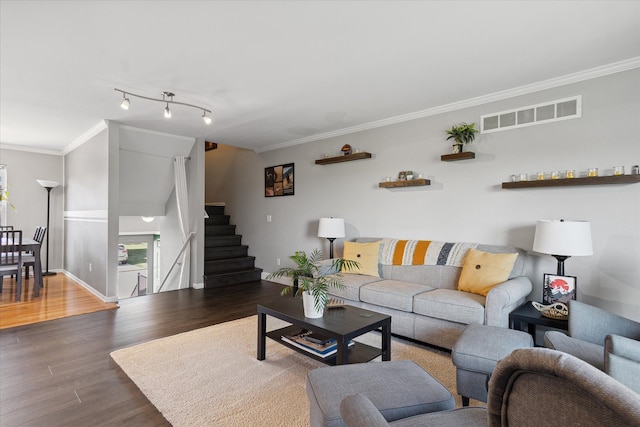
(314, 286)
(461, 133)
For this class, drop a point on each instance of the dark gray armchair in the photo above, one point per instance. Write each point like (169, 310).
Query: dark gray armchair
(607, 341)
(530, 387)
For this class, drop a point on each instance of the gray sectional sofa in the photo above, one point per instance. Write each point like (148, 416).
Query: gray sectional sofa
(424, 300)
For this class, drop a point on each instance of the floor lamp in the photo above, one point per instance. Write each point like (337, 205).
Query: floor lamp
(48, 185)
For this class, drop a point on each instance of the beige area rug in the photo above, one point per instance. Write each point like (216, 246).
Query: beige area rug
(211, 377)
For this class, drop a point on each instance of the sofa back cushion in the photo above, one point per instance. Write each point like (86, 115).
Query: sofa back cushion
(484, 270)
(365, 254)
(444, 276)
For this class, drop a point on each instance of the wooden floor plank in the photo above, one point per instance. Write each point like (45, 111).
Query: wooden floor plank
(60, 297)
(59, 372)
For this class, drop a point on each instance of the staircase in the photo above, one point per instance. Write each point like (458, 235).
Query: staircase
(225, 257)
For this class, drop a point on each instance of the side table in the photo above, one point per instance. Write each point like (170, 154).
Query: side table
(527, 314)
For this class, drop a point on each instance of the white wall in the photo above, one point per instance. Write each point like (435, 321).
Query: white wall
(30, 198)
(86, 214)
(465, 201)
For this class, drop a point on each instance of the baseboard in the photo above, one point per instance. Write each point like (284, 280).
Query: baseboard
(197, 285)
(88, 287)
(281, 280)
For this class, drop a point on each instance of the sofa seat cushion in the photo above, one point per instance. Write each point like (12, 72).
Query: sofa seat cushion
(353, 283)
(398, 389)
(395, 294)
(454, 306)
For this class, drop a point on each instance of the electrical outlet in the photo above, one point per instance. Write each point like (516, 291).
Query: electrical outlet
(268, 218)
(90, 267)
(278, 261)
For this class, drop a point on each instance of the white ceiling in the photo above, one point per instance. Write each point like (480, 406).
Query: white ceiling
(277, 73)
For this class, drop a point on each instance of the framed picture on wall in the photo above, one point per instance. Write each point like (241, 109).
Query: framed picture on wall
(278, 180)
(558, 289)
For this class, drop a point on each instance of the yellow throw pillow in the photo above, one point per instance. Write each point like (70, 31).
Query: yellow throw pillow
(484, 270)
(365, 254)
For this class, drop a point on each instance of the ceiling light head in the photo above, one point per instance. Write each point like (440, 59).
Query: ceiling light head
(206, 118)
(125, 102)
(167, 112)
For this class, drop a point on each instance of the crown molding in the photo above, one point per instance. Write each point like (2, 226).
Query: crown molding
(30, 149)
(605, 70)
(155, 132)
(96, 129)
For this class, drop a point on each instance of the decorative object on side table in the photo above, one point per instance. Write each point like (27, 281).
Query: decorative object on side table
(313, 286)
(558, 288)
(461, 133)
(556, 310)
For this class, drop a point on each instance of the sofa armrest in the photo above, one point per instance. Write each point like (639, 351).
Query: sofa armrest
(591, 353)
(622, 360)
(504, 298)
(358, 411)
(327, 267)
(593, 324)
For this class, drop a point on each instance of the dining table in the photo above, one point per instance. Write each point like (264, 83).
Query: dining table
(31, 245)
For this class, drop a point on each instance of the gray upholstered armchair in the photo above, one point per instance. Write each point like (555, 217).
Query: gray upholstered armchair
(530, 387)
(609, 342)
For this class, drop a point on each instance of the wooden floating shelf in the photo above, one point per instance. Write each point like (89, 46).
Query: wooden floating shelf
(566, 182)
(458, 156)
(340, 159)
(407, 183)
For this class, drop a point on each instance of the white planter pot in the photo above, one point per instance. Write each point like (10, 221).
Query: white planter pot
(309, 306)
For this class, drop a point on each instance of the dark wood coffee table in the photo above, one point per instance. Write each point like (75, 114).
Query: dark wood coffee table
(343, 324)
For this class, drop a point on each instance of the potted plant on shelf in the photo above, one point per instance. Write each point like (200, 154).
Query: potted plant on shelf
(313, 286)
(461, 133)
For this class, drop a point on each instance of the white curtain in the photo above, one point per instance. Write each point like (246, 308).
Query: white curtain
(182, 199)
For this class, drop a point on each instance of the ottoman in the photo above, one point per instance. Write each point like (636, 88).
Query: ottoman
(398, 388)
(476, 354)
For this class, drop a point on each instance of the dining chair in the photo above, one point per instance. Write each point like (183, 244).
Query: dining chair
(11, 257)
(28, 258)
(6, 227)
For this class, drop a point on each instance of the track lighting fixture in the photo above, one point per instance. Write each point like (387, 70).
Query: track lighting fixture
(167, 112)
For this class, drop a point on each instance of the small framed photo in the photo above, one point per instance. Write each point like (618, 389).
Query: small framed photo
(558, 289)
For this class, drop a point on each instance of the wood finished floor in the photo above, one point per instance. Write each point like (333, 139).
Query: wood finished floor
(60, 297)
(59, 373)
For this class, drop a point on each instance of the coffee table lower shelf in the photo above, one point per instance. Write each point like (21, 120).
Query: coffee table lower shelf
(358, 353)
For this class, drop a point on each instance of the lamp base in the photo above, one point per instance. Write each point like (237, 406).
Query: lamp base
(561, 259)
(331, 239)
(49, 273)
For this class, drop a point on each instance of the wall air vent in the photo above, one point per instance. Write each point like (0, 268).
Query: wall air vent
(553, 111)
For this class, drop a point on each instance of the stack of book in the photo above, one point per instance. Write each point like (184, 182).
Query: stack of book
(313, 343)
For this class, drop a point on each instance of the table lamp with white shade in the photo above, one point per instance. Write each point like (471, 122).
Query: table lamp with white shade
(331, 228)
(48, 185)
(563, 239)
